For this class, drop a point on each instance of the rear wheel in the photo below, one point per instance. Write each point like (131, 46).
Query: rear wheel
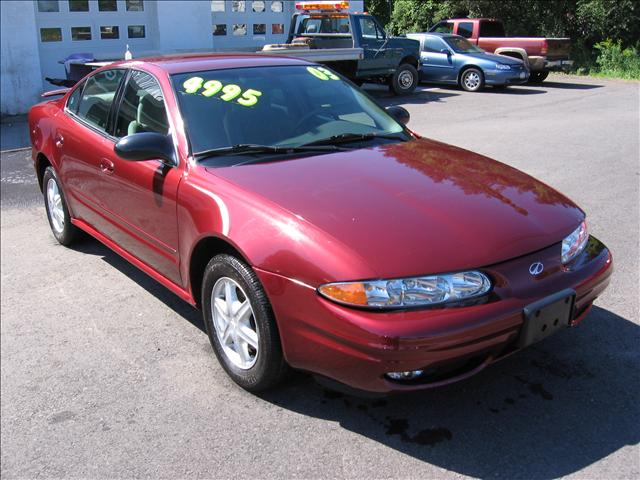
(57, 212)
(241, 325)
(538, 77)
(472, 80)
(404, 80)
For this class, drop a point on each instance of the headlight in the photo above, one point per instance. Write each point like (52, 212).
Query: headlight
(501, 66)
(408, 292)
(575, 243)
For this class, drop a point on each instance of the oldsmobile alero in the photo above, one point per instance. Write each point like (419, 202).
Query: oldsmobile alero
(313, 228)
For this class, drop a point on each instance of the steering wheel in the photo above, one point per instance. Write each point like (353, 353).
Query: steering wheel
(313, 113)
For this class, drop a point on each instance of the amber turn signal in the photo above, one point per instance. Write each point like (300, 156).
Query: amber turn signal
(349, 293)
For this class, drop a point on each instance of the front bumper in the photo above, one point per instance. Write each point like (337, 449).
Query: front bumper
(506, 77)
(358, 347)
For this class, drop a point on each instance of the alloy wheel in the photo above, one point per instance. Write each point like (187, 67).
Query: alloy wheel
(234, 323)
(54, 202)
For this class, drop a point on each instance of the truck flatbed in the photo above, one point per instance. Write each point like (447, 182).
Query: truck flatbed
(315, 55)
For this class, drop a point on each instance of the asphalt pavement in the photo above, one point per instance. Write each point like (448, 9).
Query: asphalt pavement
(105, 374)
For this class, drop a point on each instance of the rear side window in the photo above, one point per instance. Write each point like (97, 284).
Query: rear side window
(97, 97)
(142, 108)
(443, 27)
(465, 29)
(491, 29)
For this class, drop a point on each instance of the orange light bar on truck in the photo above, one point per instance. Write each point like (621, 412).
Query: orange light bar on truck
(320, 5)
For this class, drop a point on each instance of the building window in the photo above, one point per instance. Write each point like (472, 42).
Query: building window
(257, 6)
(237, 6)
(80, 33)
(107, 5)
(259, 28)
(276, 6)
(78, 5)
(108, 33)
(220, 29)
(277, 29)
(135, 6)
(48, 6)
(50, 34)
(240, 29)
(217, 6)
(136, 31)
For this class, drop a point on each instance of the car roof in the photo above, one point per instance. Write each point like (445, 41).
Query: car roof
(196, 62)
(435, 34)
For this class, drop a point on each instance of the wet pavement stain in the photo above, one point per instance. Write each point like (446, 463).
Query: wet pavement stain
(536, 388)
(427, 437)
(510, 401)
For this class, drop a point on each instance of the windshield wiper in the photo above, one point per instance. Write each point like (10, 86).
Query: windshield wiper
(255, 148)
(353, 137)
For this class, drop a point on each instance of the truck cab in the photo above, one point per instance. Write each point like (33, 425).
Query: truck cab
(329, 27)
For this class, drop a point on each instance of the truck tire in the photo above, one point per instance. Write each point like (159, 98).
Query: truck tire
(472, 80)
(404, 80)
(538, 77)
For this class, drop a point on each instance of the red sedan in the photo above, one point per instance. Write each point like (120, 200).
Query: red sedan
(313, 229)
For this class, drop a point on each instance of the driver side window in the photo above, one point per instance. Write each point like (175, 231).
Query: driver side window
(142, 108)
(370, 29)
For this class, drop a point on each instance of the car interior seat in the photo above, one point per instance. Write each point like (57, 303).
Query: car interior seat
(150, 117)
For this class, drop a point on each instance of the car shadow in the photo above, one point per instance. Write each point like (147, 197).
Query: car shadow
(545, 412)
(569, 86)
(548, 411)
(93, 247)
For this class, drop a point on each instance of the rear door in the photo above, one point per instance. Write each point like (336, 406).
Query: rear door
(84, 143)
(436, 66)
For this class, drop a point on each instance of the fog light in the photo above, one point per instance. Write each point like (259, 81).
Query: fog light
(404, 375)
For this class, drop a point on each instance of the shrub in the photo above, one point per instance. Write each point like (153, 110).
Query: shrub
(615, 61)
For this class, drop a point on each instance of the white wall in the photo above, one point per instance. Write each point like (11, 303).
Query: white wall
(20, 73)
(184, 25)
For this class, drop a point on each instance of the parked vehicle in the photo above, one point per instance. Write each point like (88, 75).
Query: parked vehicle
(313, 229)
(447, 58)
(354, 44)
(540, 55)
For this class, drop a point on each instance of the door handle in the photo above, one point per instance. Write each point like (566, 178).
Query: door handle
(59, 139)
(106, 166)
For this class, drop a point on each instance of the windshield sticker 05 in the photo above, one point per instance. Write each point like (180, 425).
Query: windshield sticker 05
(322, 73)
(228, 92)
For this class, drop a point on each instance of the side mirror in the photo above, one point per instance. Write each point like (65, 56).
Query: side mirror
(446, 51)
(146, 146)
(400, 114)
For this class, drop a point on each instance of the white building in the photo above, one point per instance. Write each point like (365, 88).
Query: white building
(37, 35)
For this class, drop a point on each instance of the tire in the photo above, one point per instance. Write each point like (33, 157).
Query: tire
(57, 211)
(253, 360)
(404, 80)
(472, 80)
(538, 77)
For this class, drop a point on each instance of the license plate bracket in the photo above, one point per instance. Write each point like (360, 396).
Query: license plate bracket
(546, 316)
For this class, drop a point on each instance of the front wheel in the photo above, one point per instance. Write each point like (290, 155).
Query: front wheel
(57, 212)
(472, 80)
(404, 80)
(241, 325)
(538, 77)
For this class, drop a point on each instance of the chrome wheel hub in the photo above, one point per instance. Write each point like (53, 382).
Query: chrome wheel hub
(54, 202)
(234, 323)
(405, 79)
(472, 80)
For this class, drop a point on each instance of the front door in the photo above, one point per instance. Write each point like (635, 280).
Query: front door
(140, 197)
(436, 65)
(373, 42)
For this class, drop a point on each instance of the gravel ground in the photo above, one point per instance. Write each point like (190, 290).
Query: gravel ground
(104, 373)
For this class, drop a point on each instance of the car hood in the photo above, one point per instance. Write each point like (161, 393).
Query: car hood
(492, 57)
(415, 207)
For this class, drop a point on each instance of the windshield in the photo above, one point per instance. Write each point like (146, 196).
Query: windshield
(286, 106)
(462, 45)
(322, 24)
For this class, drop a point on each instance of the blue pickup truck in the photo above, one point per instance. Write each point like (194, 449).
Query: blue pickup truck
(354, 44)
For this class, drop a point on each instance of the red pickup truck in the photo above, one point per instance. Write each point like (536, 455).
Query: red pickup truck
(540, 54)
